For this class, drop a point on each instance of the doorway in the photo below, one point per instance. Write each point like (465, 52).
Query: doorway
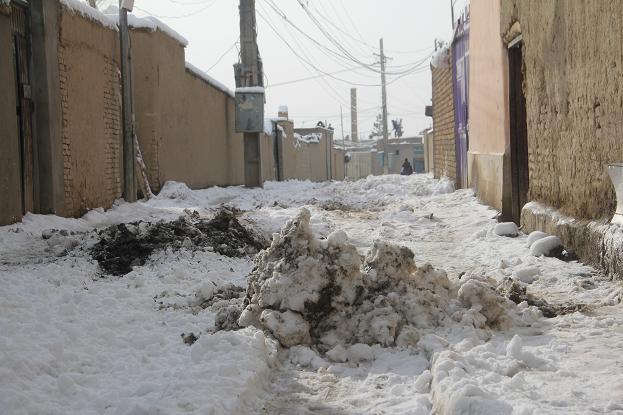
(520, 179)
(20, 24)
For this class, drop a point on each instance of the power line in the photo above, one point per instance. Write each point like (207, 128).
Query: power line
(307, 61)
(206, 7)
(224, 53)
(299, 57)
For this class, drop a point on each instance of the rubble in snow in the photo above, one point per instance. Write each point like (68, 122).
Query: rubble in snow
(517, 293)
(306, 291)
(126, 245)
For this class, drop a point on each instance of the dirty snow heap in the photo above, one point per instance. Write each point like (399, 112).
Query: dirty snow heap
(306, 291)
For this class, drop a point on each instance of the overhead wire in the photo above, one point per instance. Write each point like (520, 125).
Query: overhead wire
(297, 55)
(183, 16)
(224, 54)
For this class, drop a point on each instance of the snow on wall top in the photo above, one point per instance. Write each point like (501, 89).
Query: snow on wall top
(251, 89)
(441, 57)
(154, 24)
(313, 138)
(203, 75)
(148, 22)
(88, 12)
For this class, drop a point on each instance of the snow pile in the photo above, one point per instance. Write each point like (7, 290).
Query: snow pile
(550, 246)
(534, 236)
(441, 58)
(306, 291)
(506, 229)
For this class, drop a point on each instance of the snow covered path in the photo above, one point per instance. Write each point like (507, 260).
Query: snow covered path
(72, 342)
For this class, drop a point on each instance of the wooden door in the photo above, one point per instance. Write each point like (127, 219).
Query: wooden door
(21, 55)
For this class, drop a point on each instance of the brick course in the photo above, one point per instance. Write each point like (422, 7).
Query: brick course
(443, 124)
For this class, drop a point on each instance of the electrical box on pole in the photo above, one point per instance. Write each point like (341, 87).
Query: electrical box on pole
(249, 110)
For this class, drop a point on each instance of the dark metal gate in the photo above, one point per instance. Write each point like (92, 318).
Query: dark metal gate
(20, 22)
(518, 133)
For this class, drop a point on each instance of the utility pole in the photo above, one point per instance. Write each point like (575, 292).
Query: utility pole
(452, 12)
(250, 75)
(384, 99)
(343, 145)
(354, 133)
(342, 122)
(129, 181)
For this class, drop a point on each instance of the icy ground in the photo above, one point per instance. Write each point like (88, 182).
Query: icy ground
(74, 340)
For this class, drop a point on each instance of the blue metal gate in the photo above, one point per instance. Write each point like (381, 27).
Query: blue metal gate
(460, 79)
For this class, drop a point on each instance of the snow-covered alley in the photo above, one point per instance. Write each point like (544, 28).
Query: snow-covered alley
(77, 340)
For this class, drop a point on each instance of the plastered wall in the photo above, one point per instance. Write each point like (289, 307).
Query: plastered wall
(488, 104)
(573, 77)
(443, 124)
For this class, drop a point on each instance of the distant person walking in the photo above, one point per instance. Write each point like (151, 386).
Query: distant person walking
(407, 169)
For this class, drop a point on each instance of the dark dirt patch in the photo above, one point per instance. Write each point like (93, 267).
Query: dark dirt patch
(227, 317)
(517, 293)
(124, 245)
(189, 338)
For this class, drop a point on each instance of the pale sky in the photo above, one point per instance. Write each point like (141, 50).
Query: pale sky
(408, 27)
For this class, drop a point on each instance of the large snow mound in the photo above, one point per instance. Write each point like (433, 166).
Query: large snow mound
(306, 291)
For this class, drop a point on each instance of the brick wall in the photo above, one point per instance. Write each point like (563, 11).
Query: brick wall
(444, 155)
(573, 66)
(91, 113)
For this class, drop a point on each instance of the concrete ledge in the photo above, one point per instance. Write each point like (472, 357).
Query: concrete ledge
(597, 243)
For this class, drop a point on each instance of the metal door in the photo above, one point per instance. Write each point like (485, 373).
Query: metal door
(21, 56)
(518, 134)
(460, 78)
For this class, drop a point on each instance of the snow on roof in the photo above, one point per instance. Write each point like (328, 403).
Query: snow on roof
(148, 22)
(203, 75)
(89, 12)
(251, 89)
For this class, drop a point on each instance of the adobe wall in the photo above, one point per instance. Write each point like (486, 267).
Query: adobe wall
(288, 150)
(185, 125)
(90, 106)
(10, 176)
(573, 66)
(443, 124)
(313, 159)
(337, 164)
(360, 165)
(267, 142)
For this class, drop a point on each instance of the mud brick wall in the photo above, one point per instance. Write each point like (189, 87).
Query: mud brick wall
(88, 75)
(573, 71)
(443, 124)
